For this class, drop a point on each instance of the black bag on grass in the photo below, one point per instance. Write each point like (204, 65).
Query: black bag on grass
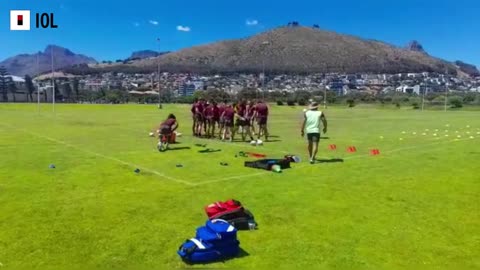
(266, 164)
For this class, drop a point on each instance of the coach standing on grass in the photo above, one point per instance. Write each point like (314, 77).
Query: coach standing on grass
(311, 125)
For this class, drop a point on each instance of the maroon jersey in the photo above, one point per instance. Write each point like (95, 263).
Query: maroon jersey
(216, 112)
(169, 123)
(199, 108)
(221, 109)
(209, 112)
(229, 113)
(262, 110)
(241, 110)
(250, 111)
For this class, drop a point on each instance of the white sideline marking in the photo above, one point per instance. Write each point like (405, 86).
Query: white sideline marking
(108, 157)
(304, 165)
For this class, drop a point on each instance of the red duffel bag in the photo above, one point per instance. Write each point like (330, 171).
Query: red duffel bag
(219, 209)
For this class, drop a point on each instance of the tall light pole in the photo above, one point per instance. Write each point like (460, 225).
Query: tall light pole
(53, 80)
(423, 97)
(446, 90)
(264, 45)
(158, 72)
(38, 87)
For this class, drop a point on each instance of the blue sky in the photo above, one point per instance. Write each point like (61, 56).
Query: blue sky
(109, 30)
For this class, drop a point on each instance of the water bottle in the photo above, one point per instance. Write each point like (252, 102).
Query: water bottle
(252, 225)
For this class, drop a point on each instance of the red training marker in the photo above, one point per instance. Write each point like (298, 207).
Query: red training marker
(375, 152)
(352, 149)
(333, 147)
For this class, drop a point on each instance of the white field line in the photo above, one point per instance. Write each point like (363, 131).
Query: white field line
(350, 157)
(108, 157)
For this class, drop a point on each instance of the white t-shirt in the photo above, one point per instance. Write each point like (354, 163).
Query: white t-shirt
(312, 124)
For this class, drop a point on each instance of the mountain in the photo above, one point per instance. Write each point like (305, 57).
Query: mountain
(415, 46)
(23, 64)
(297, 49)
(145, 54)
(469, 69)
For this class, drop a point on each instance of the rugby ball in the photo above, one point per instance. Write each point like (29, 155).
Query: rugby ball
(253, 142)
(259, 142)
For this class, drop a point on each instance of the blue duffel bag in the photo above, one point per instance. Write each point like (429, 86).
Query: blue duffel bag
(198, 251)
(217, 232)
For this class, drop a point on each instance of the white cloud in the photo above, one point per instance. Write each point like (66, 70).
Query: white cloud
(136, 24)
(153, 22)
(251, 22)
(183, 28)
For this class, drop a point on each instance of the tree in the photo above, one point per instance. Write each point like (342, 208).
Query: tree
(351, 102)
(30, 87)
(455, 102)
(75, 84)
(4, 83)
(302, 95)
(12, 88)
(67, 90)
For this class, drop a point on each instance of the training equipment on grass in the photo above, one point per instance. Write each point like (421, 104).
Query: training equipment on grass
(259, 142)
(253, 142)
(375, 152)
(292, 158)
(223, 164)
(256, 155)
(200, 145)
(151, 134)
(137, 170)
(233, 212)
(52, 166)
(276, 169)
(267, 164)
(333, 147)
(215, 241)
(351, 149)
(179, 165)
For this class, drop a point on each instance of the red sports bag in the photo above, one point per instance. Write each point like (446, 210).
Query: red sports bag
(219, 209)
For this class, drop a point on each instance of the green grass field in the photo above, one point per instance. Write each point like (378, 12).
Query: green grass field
(414, 206)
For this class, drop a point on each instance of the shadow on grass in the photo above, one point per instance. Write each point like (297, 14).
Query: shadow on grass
(209, 150)
(331, 160)
(324, 138)
(241, 254)
(178, 148)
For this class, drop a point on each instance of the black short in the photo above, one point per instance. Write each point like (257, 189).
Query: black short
(241, 123)
(313, 137)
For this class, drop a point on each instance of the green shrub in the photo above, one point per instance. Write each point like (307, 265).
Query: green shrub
(351, 102)
(455, 102)
(302, 102)
(291, 103)
(279, 103)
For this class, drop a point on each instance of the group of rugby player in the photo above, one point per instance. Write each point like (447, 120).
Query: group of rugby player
(230, 118)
